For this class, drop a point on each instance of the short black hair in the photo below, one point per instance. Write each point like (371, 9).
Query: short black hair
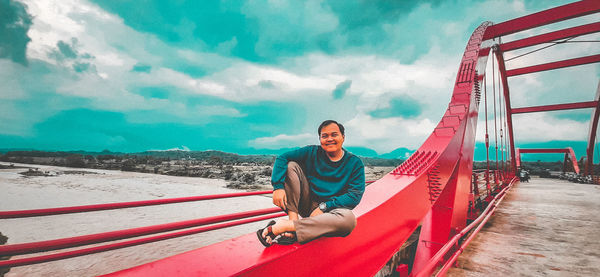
(327, 122)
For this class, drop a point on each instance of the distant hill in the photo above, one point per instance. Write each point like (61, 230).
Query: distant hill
(399, 153)
(362, 151)
(267, 156)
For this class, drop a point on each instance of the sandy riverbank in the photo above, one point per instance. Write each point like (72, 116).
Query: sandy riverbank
(92, 186)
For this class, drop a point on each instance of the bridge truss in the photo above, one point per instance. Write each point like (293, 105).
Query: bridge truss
(435, 191)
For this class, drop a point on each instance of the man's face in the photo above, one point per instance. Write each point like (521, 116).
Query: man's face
(331, 138)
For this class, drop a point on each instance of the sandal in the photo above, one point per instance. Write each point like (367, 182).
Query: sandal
(285, 240)
(270, 234)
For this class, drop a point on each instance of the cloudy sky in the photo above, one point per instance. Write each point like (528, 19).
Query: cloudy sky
(240, 76)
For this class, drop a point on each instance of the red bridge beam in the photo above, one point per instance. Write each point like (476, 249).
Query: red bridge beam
(567, 151)
(551, 37)
(121, 205)
(544, 150)
(128, 243)
(556, 107)
(545, 17)
(41, 246)
(592, 134)
(553, 65)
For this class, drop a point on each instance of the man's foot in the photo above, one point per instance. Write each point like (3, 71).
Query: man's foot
(266, 235)
(287, 238)
(282, 227)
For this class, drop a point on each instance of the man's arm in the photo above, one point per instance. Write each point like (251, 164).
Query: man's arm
(356, 188)
(280, 166)
(280, 171)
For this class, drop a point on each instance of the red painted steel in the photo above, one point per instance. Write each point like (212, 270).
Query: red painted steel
(123, 244)
(518, 158)
(592, 134)
(553, 65)
(573, 159)
(545, 17)
(463, 246)
(556, 107)
(551, 37)
(544, 150)
(435, 260)
(567, 151)
(121, 205)
(33, 247)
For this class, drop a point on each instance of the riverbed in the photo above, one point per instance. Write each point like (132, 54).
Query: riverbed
(61, 186)
(91, 186)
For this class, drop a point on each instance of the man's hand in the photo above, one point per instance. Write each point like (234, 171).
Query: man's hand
(316, 212)
(279, 198)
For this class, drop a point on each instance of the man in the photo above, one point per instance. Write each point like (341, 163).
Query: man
(317, 186)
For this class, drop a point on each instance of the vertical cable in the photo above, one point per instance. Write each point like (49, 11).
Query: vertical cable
(501, 105)
(495, 115)
(487, 137)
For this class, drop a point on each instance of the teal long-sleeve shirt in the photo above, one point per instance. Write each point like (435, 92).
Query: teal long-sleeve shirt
(338, 184)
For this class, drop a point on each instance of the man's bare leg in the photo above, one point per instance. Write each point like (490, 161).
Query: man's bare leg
(293, 215)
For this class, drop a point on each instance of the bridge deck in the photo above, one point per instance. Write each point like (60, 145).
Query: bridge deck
(546, 227)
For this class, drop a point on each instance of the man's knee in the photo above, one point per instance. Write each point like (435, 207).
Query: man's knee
(292, 167)
(346, 222)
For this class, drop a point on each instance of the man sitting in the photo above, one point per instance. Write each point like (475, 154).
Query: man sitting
(317, 186)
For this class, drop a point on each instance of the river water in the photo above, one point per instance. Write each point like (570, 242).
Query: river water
(104, 186)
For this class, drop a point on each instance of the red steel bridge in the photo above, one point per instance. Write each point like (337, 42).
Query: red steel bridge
(435, 192)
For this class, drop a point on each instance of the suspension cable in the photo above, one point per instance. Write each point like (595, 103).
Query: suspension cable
(501, 106)
(541, 48)
(504, 130)
(495, 115)
(487, 137)
(575, 41)
(507, 143)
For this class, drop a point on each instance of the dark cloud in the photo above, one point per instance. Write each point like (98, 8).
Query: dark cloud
(213, 22)
(266, 84)
(14, 24)
(263, 33)
(81, 67)
(140, 67)
(341, 88)
(363, 14)
(64, 50)
(404, 106)
(155, 92)
(67, 50)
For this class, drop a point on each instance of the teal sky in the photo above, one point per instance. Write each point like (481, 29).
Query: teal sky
(255, 76)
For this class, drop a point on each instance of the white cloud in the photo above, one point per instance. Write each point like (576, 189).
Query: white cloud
(283, 141)
(386, 134)
(542, 127)
(537, 127)
(307, 79)
(182, 148)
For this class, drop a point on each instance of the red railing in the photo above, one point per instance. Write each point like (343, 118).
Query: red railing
(479, 222)
(102, 248)
(121, 205)
(33, 247)
(41, 246)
